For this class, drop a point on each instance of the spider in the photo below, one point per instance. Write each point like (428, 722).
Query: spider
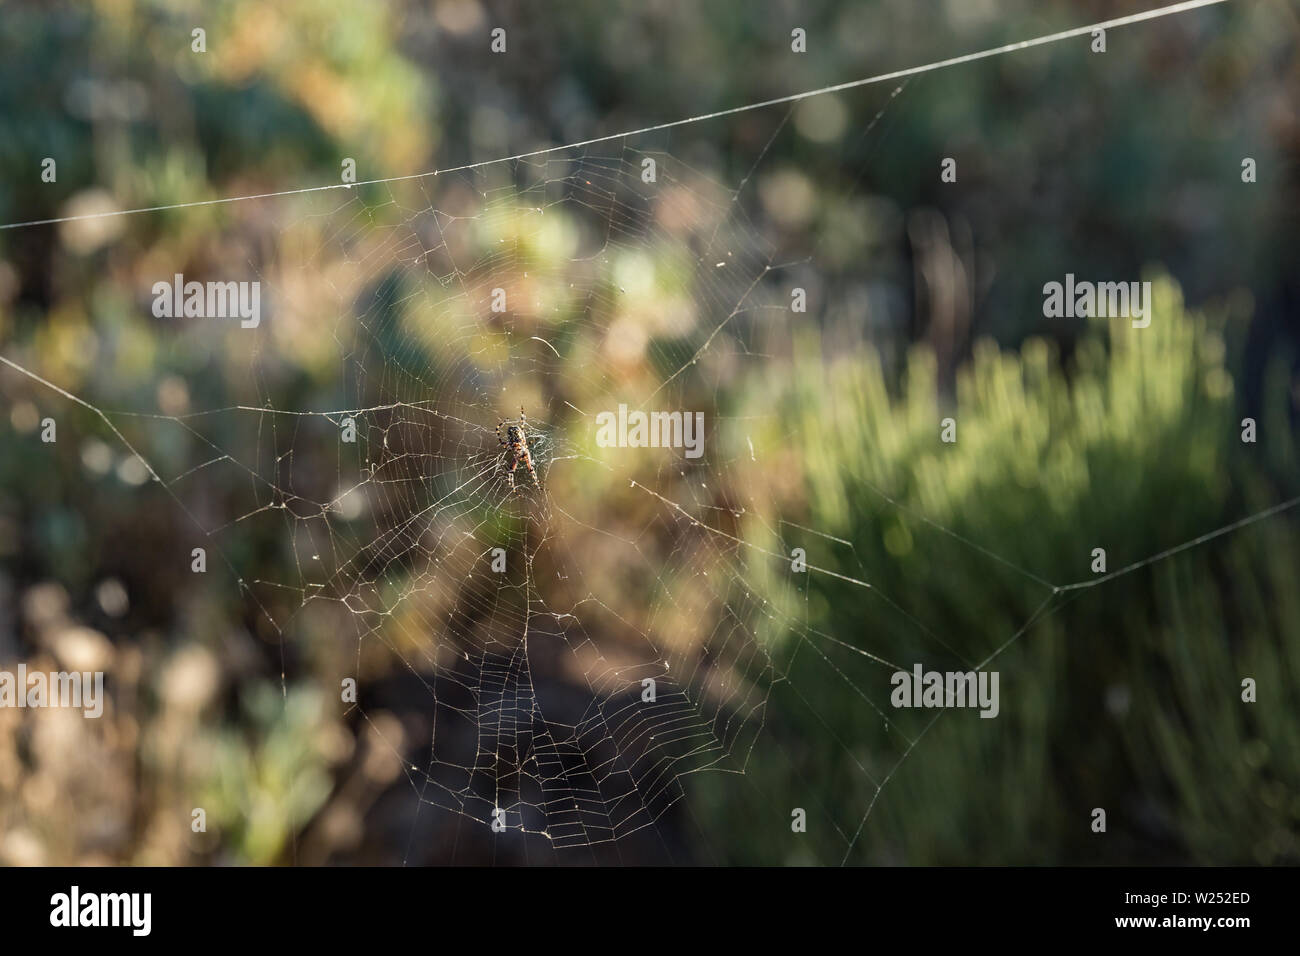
(512, 435)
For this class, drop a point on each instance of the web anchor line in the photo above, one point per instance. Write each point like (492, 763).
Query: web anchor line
(1072, 33)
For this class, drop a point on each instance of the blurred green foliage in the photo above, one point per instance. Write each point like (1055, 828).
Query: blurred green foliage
(264, 778)
(1126, 695)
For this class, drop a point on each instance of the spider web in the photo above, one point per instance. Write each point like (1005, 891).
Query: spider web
(621, 566)
(406, 528)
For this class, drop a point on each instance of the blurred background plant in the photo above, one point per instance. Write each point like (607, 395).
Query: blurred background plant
(925, 301)
(1128, 695)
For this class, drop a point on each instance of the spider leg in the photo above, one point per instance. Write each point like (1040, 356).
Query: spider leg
(528, 463)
